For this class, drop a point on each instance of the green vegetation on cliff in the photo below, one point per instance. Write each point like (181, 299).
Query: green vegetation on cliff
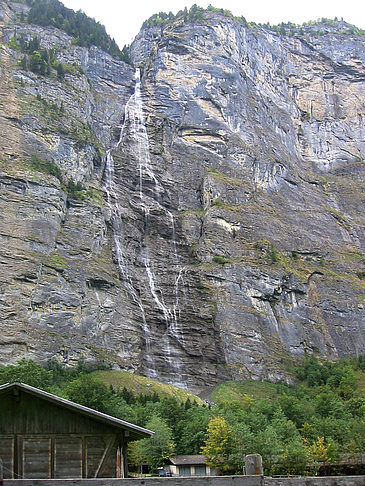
(192, 15)
(41, 61)
(86, 31)
(74, 190)
(297, 429)
(197, 14)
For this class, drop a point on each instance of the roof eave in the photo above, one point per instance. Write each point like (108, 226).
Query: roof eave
(135, 430)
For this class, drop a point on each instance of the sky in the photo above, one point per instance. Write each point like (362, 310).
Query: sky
(123, 18)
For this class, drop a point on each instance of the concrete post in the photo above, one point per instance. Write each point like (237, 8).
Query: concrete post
(253, 465)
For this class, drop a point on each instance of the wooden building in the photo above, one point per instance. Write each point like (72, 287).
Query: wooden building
(189, 466)
(43, 436)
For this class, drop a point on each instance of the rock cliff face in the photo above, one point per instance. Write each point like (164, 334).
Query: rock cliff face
(220, 231)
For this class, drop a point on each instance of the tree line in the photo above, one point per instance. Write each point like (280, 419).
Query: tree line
(40, 61)
(196, 15)
(193, 15)
(298, 430)
(85, 30)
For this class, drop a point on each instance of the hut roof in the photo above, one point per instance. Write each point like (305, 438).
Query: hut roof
(135, 430)
(187, 460)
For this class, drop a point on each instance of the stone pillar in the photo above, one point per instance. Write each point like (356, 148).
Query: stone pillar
(253, 465)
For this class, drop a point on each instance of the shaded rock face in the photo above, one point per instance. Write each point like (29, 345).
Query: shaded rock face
(221, 233)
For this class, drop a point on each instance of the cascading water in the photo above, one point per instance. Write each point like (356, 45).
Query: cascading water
(113, 203)
(150, 194)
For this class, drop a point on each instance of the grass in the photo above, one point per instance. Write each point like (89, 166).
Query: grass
(219, 176)
(360, 378)
(45, 166)
(224, 205)
(40, 107)
(53, 261)
(140, 384)
(84, 135)
(353, 256)
(95, 196)
(239, 390)
(198, 212)
(57, 261)
(221, 260)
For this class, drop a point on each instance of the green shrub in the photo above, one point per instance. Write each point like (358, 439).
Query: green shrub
(13, 44)
(27, 371)
(275, 255)
(75, 189)
(42, 61)
(221, 260)
(45, 166)
(218, 203)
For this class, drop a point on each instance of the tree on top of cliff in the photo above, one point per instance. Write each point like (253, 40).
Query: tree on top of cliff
(198, 14)
(85, 30)
(194, 14)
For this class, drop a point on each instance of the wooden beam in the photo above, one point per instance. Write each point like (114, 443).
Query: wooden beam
(119, 461)
(125, 454)
(17, 458)
(83, 457)
(53, 456)
(107, 450)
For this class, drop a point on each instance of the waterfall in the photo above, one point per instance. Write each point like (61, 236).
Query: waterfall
(113, 203)
(150, 192)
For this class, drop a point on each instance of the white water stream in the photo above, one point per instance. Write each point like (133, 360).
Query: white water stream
(150, 193)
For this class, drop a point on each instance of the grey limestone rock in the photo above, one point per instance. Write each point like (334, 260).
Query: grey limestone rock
(220, 231)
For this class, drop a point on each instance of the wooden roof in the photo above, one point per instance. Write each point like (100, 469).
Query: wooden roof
(187, 460)
(135, 431)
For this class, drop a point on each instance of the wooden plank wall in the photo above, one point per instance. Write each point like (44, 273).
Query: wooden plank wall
(35, 457)
(59, 457)
(68, 457)
(30, 415)
(7, 456)
(40, 439)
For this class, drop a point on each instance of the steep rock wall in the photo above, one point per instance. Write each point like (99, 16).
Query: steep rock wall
(59, 286)
(264, 138)
(221, 229)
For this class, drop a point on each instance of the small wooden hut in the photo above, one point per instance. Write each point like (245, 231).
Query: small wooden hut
(43, 436)
(189, 466)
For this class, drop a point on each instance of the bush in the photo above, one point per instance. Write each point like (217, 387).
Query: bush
(275, 255)
(73, 189)
(27, 371)
(221, 260)
(92, 393)
(45, 166)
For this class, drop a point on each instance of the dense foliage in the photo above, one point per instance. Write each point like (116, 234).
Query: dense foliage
(86, 31)
(296, 430)
(193, 15)
(41, 61)
(318, 27)
(197, 14)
